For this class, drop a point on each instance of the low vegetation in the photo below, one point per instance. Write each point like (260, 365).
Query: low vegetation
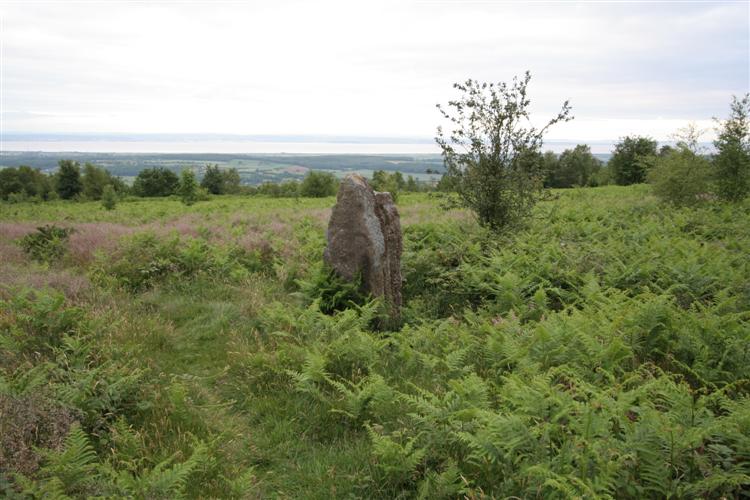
(166, 350)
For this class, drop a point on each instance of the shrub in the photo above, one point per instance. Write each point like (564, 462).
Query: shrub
(18, 197)
(284, 189)
(493, 153)
(318, 185)
(155, 182)
(391, 183)
(682, 177)
(188, 189)
(47, 244)
(109, 198)
(732, 163)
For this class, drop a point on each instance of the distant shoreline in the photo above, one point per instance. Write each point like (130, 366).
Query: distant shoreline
(230, 147)
(215, 147)
(242, 144)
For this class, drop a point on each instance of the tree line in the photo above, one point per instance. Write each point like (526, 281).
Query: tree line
(495, 167)
(89, 182)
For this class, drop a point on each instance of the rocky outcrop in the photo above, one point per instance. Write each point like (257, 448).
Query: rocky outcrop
(364, 235)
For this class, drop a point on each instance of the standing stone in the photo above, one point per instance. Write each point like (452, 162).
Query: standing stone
(364, 235)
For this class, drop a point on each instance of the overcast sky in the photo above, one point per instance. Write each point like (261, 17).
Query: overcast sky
(364, 68)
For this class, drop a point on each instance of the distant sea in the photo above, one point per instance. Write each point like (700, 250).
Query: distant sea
(232, 144)
(230, 147)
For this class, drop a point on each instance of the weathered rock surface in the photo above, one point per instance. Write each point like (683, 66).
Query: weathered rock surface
(364, 235)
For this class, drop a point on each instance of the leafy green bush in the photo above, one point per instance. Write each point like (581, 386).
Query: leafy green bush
(157, 181)
(390, 182)
(47, 244)
(682, 178)
(109, 198)
(492, 154)
(318, 185)
(188, 188)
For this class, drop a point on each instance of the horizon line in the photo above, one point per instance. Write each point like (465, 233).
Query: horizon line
(12, 136)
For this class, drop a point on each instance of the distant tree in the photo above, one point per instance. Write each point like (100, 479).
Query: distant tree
(157, 181)
(549, 167)
(213, 180)
(93, 181)
(398, 180)
(68, 179)
(268, 189)
(36, 183)
(379, 180)
(25, 181)
(230, 181)
(411, 185)
(188, 188)
(732, 161)
(687, 137)
(446, 184)
(9, 182)
(392, 183)
(318, 185)
(109, 198)
(631, 159)
(603, 177)
(285, 189)
(665, 150)
(120, 187)
(575, 167)
(493, 153)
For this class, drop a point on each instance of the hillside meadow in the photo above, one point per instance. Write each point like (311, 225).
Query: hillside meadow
(161, 351)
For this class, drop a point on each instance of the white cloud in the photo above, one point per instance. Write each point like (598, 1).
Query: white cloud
(362, 67)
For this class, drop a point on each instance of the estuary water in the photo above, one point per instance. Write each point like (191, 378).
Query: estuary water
(218, 146)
